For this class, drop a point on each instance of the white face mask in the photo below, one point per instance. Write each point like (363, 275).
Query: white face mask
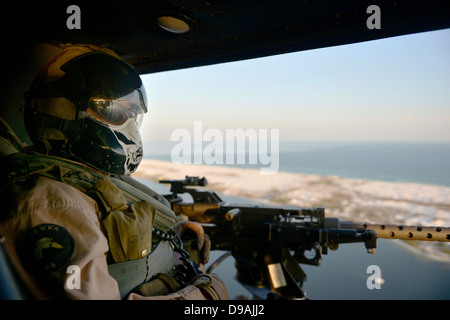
(122, 117)
(129, 138)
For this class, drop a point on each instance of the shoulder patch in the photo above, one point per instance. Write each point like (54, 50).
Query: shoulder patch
(45, 248)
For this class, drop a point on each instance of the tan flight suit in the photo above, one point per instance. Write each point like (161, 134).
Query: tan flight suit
(51, 202)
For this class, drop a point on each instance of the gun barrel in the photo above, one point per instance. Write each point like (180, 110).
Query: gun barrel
(403, 232)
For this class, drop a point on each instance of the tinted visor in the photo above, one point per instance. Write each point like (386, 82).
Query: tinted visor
(118, 111)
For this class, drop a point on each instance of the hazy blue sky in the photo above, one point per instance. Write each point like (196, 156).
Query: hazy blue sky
(395, 89)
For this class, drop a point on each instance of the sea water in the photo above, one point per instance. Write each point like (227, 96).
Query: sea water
(410, 162)
(418, 162)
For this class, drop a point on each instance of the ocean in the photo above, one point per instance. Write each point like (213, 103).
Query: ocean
(408, 162)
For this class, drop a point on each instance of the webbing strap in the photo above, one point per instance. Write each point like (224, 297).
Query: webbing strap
(21, 165)
(165, 218)
(130, 274)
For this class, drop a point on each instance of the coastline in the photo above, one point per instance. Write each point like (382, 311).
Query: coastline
(347, 199)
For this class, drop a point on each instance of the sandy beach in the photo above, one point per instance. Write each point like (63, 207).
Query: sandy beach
(347, 199)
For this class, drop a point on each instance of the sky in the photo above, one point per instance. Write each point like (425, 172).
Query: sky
(395, 89)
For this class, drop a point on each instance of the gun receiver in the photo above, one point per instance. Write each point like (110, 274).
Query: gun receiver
(268, 242)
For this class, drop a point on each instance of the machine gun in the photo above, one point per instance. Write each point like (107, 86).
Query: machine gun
(269, 242)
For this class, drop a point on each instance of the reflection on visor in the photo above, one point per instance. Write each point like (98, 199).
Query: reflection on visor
(117, 111)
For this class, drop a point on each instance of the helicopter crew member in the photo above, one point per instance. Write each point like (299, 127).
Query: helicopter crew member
(76, 225)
